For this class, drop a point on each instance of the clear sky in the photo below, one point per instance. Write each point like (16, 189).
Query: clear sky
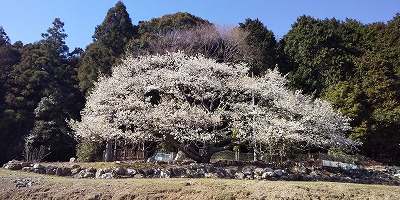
(25, 20)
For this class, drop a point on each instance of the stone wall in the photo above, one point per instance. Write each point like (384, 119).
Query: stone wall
(221, 169)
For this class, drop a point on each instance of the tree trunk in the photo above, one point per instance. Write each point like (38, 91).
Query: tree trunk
(208, 150)
(108, 155)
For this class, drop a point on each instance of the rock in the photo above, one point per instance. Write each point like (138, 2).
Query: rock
(220, 173)
(259, 171)
(91, 170)
(59, 171)
(200, 172)
(75, 171)
(178, 172)
(107, 176)
(26, 164)
(99, 173)
(130, 172)
(278, 172)
(79, 174)
(65, 171)
(51, 170)
(138, 176)
(248, 171)
(38, 166)
(165, 173)
(210, 175)
(191, 173)
(23, 183)
(75, 166)
(397, 175)
(39, 170)
(89, 175)
(269, 174)
(230, 173)
(120, 171)
(85, 174)
(239, 175)
(13, 165)
(72, 160)
(209, 168)
(180, 156)
(268, 169)
(27, 169)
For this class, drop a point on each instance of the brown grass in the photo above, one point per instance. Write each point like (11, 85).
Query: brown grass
(52, 187)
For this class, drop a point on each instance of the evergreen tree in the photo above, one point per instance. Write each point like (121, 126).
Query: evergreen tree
(317, 54)
(109, 41)
(262, 42)
(9, 56)
(44, 70)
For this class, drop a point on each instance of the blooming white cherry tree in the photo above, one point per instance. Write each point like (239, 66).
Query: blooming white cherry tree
(193, 102)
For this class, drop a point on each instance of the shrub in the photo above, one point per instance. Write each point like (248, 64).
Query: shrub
(89, 151)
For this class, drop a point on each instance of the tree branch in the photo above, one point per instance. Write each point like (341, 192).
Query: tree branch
(193, 155)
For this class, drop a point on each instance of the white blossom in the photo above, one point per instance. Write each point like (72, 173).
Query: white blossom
(192, 98)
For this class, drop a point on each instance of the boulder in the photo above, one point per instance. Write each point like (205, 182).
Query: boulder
(66, 171)
(201, 171)
(79, 174)
(210, 175)
(180, 156)
(120, 171)
(138, 176)
(72, 160)
(278, 172)
(13, 165)
(107, 176)
(99, 173)
(59, 171)
(51, 170)
(91, 170)
(248, 171)
(75, 166)
(165, 173)
(38, 166)
(230, 173)
(178, 172)
(75, 171)
(259, 171)
(85, 174)
(130, 172)
(27, 169)
(39, 170)
(239, 175)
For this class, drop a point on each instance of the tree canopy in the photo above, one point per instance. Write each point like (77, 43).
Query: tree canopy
(184, 100)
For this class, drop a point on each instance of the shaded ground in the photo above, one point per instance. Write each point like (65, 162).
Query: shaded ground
(21, 185)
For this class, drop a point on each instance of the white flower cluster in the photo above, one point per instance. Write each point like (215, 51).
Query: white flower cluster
(197, 99)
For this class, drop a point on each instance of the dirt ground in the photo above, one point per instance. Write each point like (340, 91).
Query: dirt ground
(22, 185)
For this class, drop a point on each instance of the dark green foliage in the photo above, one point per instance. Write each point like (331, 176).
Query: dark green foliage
(150, 30)
(356, 67)
(263, 43)
(170, 22)
(44, 76)
(109, 43)
(317, 53)
(89, 151)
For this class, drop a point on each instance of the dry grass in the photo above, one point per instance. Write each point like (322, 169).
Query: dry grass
(69, 188)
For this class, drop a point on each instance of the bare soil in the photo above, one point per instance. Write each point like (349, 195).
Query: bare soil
(22, 185)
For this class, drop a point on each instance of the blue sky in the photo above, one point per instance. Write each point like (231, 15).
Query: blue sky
(26, 20)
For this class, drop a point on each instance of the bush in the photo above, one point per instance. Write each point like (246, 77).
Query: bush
(89, 151)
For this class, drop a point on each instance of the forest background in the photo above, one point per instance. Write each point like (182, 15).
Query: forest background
(354, 66)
